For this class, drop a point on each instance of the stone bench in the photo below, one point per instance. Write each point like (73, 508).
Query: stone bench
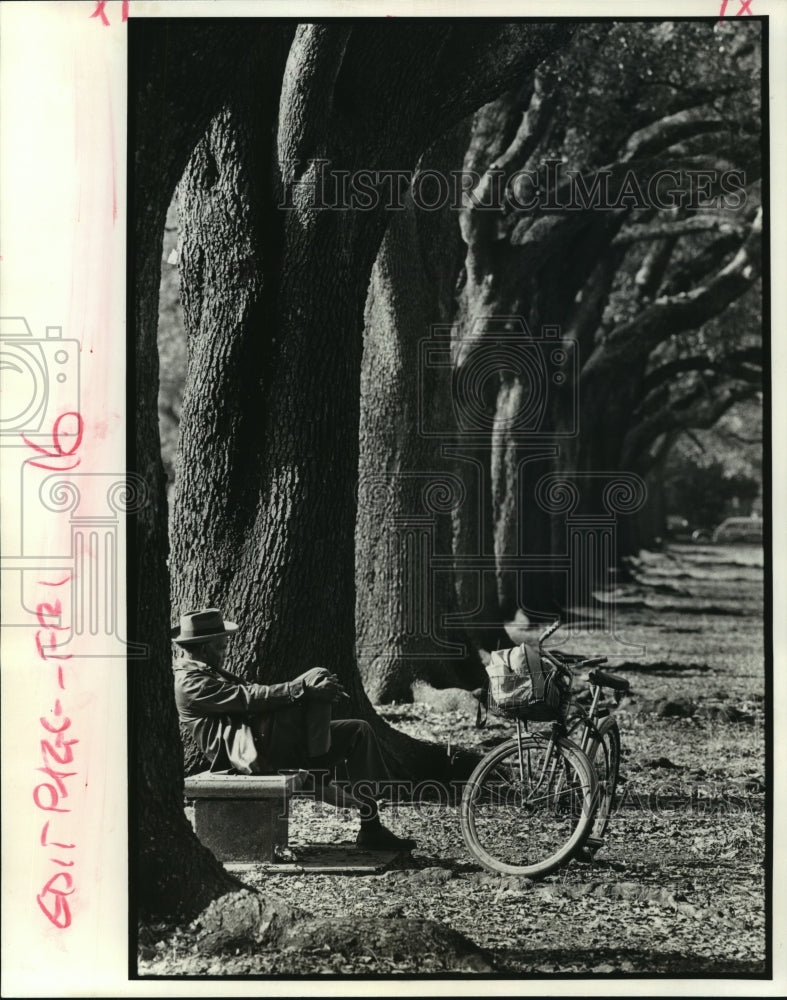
(242, 817)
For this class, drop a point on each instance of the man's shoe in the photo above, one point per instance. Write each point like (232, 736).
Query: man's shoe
(380, 839)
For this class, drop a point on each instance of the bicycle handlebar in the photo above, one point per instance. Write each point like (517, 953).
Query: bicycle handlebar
(602, 679)
(574, 661)
(549, 630)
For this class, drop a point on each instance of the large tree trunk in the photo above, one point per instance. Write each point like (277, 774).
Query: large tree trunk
(551, 275)
(265, 502)
(176, 82)
(407, 488)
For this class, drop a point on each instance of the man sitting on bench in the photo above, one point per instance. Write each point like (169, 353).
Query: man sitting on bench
(266, 728)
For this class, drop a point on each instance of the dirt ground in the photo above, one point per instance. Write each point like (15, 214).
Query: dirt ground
(679, 887)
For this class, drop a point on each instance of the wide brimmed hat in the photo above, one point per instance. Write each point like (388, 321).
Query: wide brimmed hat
(198, 626)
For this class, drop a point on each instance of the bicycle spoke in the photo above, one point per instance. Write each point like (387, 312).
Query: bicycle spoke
(604, 753)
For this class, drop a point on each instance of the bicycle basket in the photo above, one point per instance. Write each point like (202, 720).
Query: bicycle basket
(526, 684)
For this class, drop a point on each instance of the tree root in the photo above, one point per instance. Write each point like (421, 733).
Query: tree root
(247, 919)
(240, 919)
(390, 939)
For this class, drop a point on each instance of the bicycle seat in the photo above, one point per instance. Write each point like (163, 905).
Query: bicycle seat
(603, 679)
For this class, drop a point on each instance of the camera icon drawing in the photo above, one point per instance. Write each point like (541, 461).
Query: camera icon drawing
(500, 352)
(40, 381)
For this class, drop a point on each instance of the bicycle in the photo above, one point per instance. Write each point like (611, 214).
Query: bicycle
(540, 798)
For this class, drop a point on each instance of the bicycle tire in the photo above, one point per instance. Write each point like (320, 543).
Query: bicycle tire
(529, 824)
(604, 755)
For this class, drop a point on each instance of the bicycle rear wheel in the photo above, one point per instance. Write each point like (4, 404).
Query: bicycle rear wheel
(604, 754)
(529, 818)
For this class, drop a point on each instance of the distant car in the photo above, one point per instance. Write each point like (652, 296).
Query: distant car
(701, 535)
(739, 529)
(677, 525)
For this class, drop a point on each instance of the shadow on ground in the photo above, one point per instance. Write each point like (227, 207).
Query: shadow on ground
(620, 961)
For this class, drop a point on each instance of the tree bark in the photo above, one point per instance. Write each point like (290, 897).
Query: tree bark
(523, 284)
(177, 80)
(407, 488)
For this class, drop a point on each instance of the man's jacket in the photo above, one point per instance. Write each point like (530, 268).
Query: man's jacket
(238, 725)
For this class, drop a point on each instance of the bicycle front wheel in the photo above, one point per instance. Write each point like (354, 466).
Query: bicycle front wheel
(526, 813)
(604, 754)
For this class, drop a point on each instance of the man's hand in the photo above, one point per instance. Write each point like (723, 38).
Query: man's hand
(321, 685)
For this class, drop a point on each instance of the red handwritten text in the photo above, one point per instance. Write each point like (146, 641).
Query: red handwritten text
(100, 12)
(57, 450)
(744, 7)
(57, 742)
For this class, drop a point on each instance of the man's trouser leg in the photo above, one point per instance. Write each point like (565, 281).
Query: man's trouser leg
(353, 741)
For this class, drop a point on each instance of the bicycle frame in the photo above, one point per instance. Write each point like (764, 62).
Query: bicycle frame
(547, 777)
(549, 759)
(586, 718)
